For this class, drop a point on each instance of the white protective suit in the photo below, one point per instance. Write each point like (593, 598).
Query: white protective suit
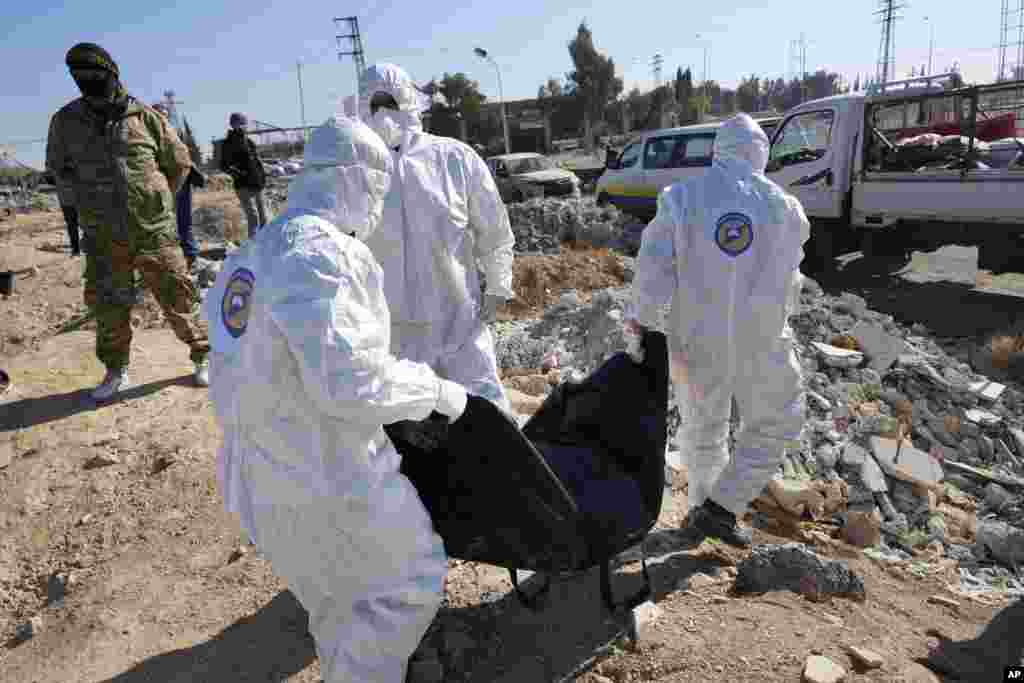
(726, 248)
(443, 218)
(301, 383)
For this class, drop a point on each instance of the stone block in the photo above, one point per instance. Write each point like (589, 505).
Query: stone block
(918, 465)
(819, 669)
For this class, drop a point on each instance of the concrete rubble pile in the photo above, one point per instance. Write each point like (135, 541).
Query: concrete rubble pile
(928, 449)
(905, 447)
(541, 225)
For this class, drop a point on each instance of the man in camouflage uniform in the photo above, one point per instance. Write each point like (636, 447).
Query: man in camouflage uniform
(125, 164)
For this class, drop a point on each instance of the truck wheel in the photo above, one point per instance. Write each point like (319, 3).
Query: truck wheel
(888, 247)
(602, 199)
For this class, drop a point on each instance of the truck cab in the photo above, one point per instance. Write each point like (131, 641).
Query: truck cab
(905, 164)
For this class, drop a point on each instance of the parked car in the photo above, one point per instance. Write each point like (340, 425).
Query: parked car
(656, 159)
(525, 175)
(292, 167)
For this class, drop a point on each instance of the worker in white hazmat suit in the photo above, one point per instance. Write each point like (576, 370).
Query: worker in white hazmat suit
(302, 382)
(443, 219)
(725, 248)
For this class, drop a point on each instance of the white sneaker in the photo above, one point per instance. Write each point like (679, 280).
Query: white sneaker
(202, 376)
(113, 382)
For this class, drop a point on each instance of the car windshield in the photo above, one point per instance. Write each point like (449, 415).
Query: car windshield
(529, 165)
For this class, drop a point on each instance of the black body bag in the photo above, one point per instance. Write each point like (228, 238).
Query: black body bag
(581, 482)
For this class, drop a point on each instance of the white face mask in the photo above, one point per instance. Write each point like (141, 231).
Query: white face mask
(386, 126)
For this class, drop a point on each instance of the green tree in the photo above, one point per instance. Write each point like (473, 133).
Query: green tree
(593, 79)
(748, 94)
(684, 97)
(193, 147)
(462, 94)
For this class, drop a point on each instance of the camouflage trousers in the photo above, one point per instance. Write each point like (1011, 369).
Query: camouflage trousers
(110, 289)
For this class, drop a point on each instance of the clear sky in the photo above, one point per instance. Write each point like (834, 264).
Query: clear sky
(223, 57)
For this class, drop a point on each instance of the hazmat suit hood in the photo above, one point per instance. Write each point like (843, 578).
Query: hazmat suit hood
(346, 173)
(742, 145)
(394, 127)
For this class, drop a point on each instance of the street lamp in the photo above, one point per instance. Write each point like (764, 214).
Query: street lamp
(482, 54)
(931, 44)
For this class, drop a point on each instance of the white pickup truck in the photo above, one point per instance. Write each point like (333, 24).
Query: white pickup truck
(916, 168)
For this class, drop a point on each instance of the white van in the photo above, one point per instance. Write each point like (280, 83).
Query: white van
(655, 160)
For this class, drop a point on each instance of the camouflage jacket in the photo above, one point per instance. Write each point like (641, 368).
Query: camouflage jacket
(123, 167)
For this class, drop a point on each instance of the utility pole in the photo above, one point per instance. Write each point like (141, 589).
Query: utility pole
(356, 52)
(888, 16)
(1011, 40)
(656, 63)
(302, 99)
(798, 63)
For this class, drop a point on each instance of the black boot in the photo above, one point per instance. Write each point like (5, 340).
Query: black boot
(714, 521)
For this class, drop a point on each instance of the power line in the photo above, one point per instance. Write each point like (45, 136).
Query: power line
(356, 51)
(887, 13)
(656, 63)
(1011, 39)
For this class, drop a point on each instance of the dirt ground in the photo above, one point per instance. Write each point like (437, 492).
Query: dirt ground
(113, 536)
(539, 279)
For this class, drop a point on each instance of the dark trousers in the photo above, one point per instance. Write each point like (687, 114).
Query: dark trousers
(71, 222)
(183, 209)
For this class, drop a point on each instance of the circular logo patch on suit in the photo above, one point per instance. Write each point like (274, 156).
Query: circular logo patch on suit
(734, 233)
(234, 306)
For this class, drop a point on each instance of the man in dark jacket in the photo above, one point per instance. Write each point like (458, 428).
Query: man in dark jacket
(239, 160)
(183, 204)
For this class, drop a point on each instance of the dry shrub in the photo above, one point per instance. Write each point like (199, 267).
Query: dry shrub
(539, 279)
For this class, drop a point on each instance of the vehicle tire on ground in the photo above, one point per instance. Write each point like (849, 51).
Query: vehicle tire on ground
(887, 246)
(602, 199)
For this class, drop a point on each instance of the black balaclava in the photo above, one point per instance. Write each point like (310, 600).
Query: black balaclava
(94, 70)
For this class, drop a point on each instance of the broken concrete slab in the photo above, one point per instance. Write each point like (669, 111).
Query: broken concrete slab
(987, 389)
(919, 466)
(793, 567)
(882, 348)
(1018, 439)
(1004, 542)
(835, 357)
(996, 496)
(818, 669)
(644, 619)
(982, 417)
